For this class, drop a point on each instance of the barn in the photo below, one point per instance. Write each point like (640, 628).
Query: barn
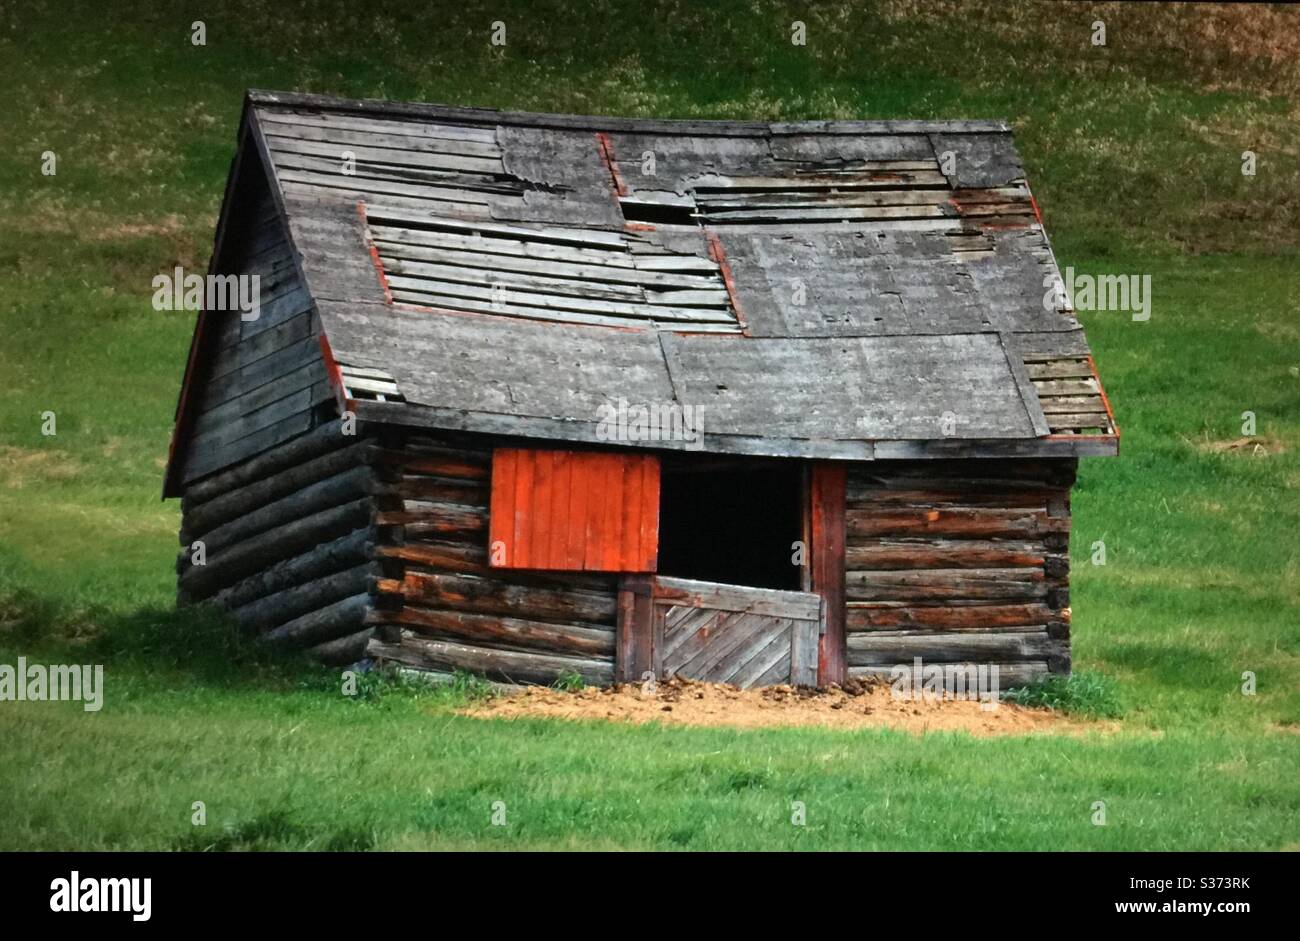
(538, 396)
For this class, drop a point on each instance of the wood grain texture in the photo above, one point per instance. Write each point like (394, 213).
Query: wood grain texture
(574, 510)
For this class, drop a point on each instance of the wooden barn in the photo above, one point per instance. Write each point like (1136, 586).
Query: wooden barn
(537, 395)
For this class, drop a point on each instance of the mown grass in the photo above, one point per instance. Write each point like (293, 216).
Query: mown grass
(1134, 153)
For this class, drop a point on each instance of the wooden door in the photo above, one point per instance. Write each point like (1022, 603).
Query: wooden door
(717, 633)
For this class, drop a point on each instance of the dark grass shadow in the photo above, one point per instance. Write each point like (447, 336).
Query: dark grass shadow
(199, 644)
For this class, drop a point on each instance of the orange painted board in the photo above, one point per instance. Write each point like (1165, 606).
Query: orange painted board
(574, 510)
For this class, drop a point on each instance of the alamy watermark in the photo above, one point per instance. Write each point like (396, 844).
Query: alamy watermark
(1104, 292)
(936, 681)
(36, 682)
(666, 421)
(181, 291)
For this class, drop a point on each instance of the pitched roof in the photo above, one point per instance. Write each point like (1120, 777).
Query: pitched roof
(829, 289)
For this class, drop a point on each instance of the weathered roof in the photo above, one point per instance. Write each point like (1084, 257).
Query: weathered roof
(836, 289)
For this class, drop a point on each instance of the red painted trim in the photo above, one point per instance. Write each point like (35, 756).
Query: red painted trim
(611, 163)
(1038, 214)
(1104, 399)
(374, 253)
(334, 374)
(719, 256)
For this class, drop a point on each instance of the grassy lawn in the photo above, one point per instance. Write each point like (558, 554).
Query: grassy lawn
(1134, 152)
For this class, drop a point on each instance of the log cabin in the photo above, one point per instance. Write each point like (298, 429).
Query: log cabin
(537, 396)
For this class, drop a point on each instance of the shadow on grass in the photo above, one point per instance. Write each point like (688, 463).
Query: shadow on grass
(198, 643)
(273, 830)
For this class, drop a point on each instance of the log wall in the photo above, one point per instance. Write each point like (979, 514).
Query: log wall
(959, 562)
(288, 541)
(446, 609)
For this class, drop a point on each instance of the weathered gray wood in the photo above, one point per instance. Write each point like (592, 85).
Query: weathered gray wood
(199, 518)
(328, 623)
(803, 653)
(943, 553)
(341, 488)
(504, 631)
(880, 648)
(1010, 675)
(512, 666)
(944, 615)
(242, 559)
(268, 611)
(936, 585)
(318, 562)
(493, 596)
(326, 437)
(343, 650)
(768, 601)
(953, 521)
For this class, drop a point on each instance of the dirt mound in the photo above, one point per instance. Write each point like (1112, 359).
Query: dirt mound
(858, 705)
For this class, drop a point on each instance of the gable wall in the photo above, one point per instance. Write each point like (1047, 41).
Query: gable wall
(262, 381)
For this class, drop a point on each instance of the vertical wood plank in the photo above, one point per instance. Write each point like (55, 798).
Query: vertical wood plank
(575, 510)
(523, 520)
(501, 521)
(827, 499)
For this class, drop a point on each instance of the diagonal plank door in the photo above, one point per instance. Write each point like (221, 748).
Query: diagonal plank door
(731, 634)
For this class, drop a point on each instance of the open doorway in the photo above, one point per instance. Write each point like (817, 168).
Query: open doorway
(731, 520)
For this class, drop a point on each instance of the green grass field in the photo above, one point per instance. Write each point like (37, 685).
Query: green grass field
(1134, 152)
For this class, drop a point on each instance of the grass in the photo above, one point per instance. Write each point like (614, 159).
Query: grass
(1134, 153)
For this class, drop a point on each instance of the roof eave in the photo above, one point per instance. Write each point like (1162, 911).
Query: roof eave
(844, 449)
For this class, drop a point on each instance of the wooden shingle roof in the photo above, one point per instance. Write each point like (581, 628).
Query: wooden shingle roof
(826, 289)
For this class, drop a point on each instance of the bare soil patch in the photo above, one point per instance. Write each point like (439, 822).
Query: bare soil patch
(857, 706)
(1254, 447)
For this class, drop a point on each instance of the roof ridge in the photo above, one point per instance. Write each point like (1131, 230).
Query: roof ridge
(691, 126)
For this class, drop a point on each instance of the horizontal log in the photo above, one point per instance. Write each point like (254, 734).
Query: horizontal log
(272, 610)
(457, 557)
(454, 465)
(952, 521)
(868, 616)
(328, 623)
(471, 559)
(198, 519)
(342, 488)
(504, 631)
(318, 441)
(422, 520)
(343, 650)
(949, 474)
(508, 665)
(494, 596)
(442, 490)
(887, 649)
(243, 559)
(865, 497)
(936, 585)
(943, 553)
(330, 557)
(1010, 675)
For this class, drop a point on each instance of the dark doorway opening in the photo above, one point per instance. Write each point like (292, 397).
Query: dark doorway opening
(733, 521)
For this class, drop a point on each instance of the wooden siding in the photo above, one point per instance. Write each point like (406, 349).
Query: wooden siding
(443, 608)
(826, 506)
(287, 540)
(717, 633)
(574, 510)
(261, 381)
(959, 561)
